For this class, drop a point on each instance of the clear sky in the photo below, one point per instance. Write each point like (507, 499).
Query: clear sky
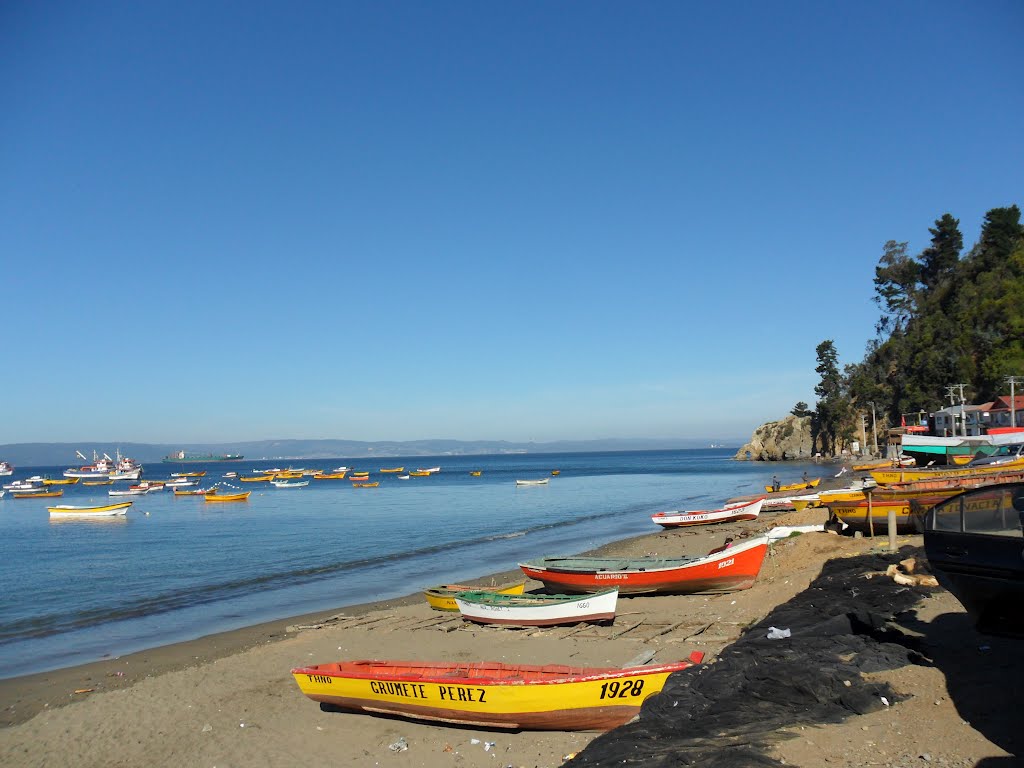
(479, 220)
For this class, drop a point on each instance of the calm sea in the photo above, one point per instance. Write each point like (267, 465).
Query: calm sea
(177, 568)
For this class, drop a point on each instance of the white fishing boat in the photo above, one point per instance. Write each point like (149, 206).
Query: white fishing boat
(741, 510)
(289, 483)
(129, 492)
(101, 467)
(106, 510)
(6, 469)
(543, 481)
(429, 470)
(536, 610)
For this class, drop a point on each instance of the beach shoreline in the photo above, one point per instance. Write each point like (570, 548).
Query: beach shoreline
(229, 698)
(25, 696)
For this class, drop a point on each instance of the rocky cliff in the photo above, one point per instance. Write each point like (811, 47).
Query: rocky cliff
(789, 438)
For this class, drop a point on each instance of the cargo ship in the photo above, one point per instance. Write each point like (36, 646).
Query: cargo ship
(183, 457)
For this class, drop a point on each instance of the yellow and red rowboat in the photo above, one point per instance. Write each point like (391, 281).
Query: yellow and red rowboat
(442, 598)
(721, 570)
(227, 496)
(490, 694)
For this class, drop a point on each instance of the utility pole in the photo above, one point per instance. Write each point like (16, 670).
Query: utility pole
(874, 432)
(1013, 381)
(951, 391)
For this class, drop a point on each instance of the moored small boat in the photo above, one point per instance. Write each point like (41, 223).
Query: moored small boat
(196, 492)
(393, 470)
(543, 481)
(255, 479)
(489, 694)
(97, 482)
(418, 473)
(732, 568)
(330, 476)
(742, 510)
(442, 598)
(227, 496)
(366, 485)
(190, 474)
(37, 494)
(290, 483)
(129, 492)
(537, 610)
(103, 510)
(476, 473)
(63, 481)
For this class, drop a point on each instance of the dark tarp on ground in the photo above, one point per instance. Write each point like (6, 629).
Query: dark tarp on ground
(727, 714)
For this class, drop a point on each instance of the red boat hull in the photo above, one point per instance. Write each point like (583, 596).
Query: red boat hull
(731, 570)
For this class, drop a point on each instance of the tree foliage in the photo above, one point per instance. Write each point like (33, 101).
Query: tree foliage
(945, 318)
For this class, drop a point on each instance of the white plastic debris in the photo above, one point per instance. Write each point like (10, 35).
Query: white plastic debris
(474, 741)
(884, 700)
(399, 746)
(775, 633)
(488, 746)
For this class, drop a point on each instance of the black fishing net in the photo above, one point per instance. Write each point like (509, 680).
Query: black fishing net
(727, 714)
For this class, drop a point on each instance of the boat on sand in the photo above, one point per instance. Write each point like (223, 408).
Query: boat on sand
(741, 510)
(489, 694)
(537, 610)
(727, 569)
(442, 598)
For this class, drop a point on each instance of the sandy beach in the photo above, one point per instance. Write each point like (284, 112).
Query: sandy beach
(229, 699)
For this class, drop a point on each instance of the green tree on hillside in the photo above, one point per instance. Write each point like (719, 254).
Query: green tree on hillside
(832, 413)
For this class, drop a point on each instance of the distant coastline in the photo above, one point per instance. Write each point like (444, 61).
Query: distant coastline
(55, 454)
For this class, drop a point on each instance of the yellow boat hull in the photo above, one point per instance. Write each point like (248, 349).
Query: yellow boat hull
(65, 481)
(210, 497)
(795, 486)
(569, 700)
(443, 598)
(887, 477)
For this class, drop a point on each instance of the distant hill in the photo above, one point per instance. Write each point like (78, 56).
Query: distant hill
(51, 454)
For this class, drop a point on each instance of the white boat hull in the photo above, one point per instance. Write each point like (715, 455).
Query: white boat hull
(744, 510)
(540, 610)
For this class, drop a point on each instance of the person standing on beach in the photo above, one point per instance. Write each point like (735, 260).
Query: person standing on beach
(775, 483)
(807, 480)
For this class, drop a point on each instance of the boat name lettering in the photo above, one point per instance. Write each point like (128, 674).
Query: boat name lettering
(609, 575)
(583, 604)
(724, 563)
(325, 679)
(458, 693)
(407, 690)
(620, 690)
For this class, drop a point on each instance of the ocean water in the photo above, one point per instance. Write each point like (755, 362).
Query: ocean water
(177, 568)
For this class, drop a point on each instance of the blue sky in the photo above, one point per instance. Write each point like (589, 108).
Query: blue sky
(244, 220)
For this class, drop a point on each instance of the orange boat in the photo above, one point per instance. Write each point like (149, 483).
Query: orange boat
(227, 496)
(43, 495)
(366, 485)
(723, 570)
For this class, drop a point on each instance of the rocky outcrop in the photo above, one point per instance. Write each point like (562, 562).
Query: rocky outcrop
(789, 438)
